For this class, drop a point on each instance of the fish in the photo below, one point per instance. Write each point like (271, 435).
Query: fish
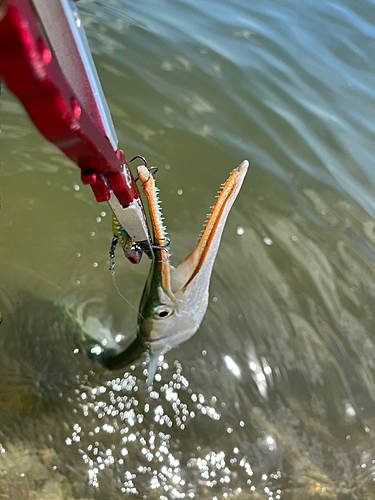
(175, 300)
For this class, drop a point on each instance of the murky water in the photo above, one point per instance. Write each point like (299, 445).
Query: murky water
(274, 396)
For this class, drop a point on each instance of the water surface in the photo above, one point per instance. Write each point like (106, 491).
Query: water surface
(274, 396)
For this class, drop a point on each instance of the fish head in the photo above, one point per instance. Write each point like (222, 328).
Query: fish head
(175, 300)
(166, 318)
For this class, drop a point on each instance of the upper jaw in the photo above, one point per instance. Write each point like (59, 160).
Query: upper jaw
(201, 259)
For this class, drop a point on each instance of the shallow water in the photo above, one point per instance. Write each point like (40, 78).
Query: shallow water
(274, 396)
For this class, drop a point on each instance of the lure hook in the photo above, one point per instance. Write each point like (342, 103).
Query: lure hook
(112, 253)
(165, 248)
(151, 170)
(141, 158)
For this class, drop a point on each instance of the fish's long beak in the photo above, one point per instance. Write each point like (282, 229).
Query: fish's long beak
(159, 231)
(204, 253)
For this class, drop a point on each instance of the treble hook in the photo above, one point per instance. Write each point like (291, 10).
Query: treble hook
(112, 252)
(141, 158)
(165, 248)
(151, 170)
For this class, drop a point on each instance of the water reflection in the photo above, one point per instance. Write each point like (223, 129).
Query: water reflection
(190, 436)
(274, 396)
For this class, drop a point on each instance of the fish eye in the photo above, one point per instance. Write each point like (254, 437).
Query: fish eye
(162, 312)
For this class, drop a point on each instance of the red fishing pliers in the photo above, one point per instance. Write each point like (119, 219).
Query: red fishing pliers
(45, 61)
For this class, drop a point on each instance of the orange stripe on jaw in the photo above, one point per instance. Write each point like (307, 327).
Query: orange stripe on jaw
(209, 230)
(148, 188)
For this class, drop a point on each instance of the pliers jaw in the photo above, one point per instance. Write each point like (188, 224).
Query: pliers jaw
(133, 219)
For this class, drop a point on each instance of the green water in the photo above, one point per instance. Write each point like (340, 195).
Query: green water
(274, 396)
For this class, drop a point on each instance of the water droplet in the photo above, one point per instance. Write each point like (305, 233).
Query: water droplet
(240, 230)
(96, 350)
(92, 233)
(76, 351)
(167, 166)
(267, 241)
(103, 214)
(98, 219)
(78, 282)
(76, 187)
(294, 238)
(229, 430)
(95, 264)
(214, 299)
(204, 352)
(179, 192)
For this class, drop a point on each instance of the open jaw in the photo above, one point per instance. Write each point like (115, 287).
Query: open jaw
(174, 300)
(201, 259)
(184, 289)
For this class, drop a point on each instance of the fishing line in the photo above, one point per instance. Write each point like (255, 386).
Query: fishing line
(118, 290)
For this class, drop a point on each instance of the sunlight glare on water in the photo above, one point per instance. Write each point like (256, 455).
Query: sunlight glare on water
(273, 398)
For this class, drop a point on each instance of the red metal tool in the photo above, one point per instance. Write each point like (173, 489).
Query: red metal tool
(46, 63)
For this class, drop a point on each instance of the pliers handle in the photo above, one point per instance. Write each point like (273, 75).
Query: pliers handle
(46, 63)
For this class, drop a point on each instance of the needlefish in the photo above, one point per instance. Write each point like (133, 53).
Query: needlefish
(175, 300)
